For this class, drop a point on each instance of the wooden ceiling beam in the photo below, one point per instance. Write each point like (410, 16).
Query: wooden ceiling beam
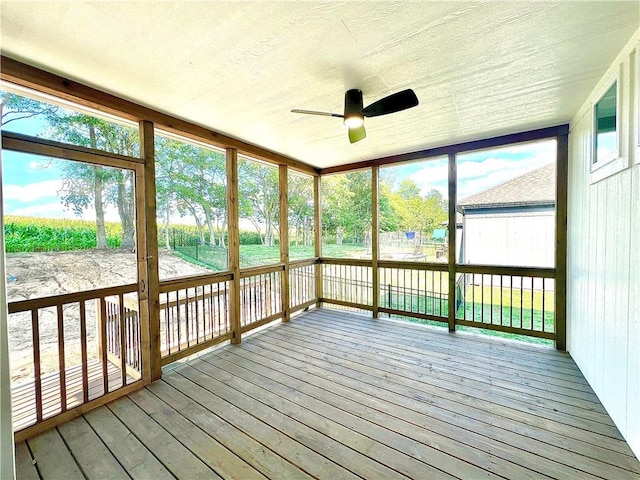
(16, 72)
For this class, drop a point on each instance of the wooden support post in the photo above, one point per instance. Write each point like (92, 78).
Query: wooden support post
(375, 244)
(284, 241)
(147, 255)
(452, 242)
(233, 241)
(317, 212)
(562, 177)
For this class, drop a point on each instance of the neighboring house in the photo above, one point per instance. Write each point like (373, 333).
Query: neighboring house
(512, 223)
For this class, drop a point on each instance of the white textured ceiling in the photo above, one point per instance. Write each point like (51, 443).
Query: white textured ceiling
(479, 68)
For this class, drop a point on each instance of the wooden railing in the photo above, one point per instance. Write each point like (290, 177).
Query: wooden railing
(517, 300)
(63, 379)
(260, 296)
(418, 290)
(302, 284)
(347, 282)
(194, 314)
(509, 299)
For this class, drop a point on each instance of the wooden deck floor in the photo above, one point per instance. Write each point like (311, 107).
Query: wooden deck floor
(336, 395)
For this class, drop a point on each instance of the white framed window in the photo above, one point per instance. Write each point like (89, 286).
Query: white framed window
(607, 153)
(606, 123)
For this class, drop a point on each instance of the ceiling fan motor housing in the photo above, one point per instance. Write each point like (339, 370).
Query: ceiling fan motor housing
(353, 108)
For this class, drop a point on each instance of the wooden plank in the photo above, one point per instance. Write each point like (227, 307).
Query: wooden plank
(343, 303)
(174, 456)
(40, 80)
(414, 359)
(207, 449)
(35, 145)
(356, 434)
(565, 435)
(147, 255)
(514, 406)
(562, 180)
(354, 396)
(259, 323)
(345, 261)
(53, 459)
(375, 243)
(191, 281)
(194, 384)
(507, 329)
(507, 270)
(418, 266)
(74, 412)
(25, 467)
(65, 298)
(62, 370)
(317, 237)
(262, 270)
(436, 352)
(283, 189)
(453, 186)
(84, 362)
(236, 440)
(132, 454)
(233, 244)
(173, 357)
(92, 456)
(481, 144)
(37, 375)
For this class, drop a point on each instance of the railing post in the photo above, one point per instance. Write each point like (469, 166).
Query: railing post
(233, 219)
(452, 242)
(147, 253)
(317, 207)
(375, 228)
(562, 173)
(284, 241)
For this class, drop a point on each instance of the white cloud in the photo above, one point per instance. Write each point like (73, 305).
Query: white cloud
(478, 171)
(32, 192)
(48, 210)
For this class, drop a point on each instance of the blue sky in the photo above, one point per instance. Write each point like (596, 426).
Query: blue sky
(31, 183)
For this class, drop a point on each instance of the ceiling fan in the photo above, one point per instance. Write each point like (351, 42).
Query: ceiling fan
(354, 113)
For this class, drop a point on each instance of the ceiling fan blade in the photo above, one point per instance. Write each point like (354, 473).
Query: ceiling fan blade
(356, 134)
(313, 112)
(391, 104)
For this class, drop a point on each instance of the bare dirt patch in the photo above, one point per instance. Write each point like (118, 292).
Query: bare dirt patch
(36, 275)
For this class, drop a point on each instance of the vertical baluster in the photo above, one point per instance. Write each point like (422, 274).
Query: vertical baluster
(511, 300)
(482, 297)
(544, 291)
(62, 369)
(531, 318)
(500, 299)
(178, 321)
(83, 352)
(37, 376)
(198, 314)
(473, 297)
(103, 328)
(521, 302)
(123, 346)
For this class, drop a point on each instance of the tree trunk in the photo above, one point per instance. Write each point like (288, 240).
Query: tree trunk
(98, 201)
(98, 187)
(167, 217)
(126, 210)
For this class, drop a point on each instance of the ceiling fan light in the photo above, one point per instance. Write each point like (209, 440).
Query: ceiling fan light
(354, 120)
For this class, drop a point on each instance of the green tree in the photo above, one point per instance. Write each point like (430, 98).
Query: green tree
(84, 184)
(301, 219)
(259, 199)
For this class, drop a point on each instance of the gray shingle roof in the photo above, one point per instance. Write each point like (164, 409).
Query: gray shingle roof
(537, 187)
